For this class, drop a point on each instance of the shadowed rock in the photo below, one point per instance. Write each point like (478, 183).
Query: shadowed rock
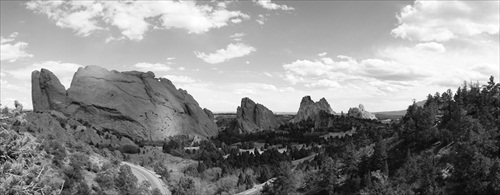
(310, 109)
(132, 104)
(251, 117)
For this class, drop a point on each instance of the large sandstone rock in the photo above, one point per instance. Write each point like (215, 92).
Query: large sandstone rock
(310, 109)
(251, 117)
(134, 105)
(47, 92)
(360, 112)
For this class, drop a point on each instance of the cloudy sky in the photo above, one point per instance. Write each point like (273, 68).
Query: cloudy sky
(382, 54)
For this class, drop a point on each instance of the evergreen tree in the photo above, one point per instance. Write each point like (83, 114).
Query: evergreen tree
(126, 182)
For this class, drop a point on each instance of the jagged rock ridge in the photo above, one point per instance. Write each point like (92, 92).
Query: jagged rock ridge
(133, 104)
(251, 117)
(360, 112)
(309, 109)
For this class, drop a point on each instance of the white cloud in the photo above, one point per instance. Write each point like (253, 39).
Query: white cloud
(346, 71)
(267, 4)
(390, 70)
(322, 54)
(12, 52)
(286, 90)
(111, 38)
(144, 66)
(179, 79)
(324, 83)
(308, 68)
(469, 62)
(237, 36)
(181, 68)
(261, 19)
(236, 20)
(431, 46)
(63, 71)
(170, 58)
(222, 55)
(135, 18)
(445, 20)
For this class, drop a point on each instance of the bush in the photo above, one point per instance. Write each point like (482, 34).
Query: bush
(162, 170)
(56, 149)
(126, 182)
(185, 186)
(105, 179)
(131, 149)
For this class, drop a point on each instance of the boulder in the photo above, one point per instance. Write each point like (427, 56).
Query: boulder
(251, 117)
(134, 105)
(309, 109)
(360, 112)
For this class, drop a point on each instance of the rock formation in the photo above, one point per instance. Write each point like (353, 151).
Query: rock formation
(134, 105)
(47, 92)
(310, 109)
(251, 117)
(360, 112)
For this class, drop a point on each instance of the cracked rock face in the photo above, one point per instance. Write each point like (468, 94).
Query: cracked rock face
(360, 112)
(251, 117)
(309, 109)
(132, 104)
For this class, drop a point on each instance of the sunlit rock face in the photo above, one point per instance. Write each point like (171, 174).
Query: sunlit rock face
(309, 109)
(360, 112)
(251, 117)
(132, 104)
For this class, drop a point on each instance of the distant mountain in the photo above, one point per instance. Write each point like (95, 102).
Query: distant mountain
(395, 114)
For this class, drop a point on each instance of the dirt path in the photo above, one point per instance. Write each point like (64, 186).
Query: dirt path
(144, 174)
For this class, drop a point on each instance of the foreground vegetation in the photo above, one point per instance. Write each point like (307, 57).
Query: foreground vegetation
(450, 145)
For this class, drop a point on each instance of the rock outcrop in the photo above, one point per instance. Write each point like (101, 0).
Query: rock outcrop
(310, 109)
(134, 105)
(251, 117)
(47, 92)
(360, 112)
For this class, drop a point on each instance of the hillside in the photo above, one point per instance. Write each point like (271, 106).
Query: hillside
(447, 145)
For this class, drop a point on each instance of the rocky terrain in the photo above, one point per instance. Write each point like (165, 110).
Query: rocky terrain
(309, 109)
(251, 117)
(132, 105)
(360, 112)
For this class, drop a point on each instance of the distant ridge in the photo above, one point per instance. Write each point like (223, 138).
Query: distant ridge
(395, 114)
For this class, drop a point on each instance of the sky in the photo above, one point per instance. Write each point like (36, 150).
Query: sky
(382, 54)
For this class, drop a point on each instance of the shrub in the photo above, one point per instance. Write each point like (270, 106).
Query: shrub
(126, 182)
(56, 149)
(105, 180)
(131, 149)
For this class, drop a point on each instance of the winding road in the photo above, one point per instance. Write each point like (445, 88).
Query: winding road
(144, 174)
